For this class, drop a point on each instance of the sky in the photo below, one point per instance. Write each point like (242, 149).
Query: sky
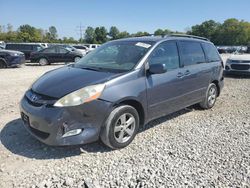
(129, 15)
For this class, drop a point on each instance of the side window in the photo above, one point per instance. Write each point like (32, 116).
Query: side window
(62, 50)
(211, 52)
(191, 53)
(165, 53)
(49, 50)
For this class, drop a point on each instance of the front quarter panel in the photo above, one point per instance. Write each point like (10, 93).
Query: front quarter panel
(130, 86)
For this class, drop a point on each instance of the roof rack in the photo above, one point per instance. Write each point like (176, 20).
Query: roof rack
(188, 36)
(176, 35)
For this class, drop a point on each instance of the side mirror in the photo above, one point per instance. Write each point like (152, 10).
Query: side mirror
(157, 68)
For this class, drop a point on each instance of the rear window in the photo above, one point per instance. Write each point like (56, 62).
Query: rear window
(191, 53)
(211, 52)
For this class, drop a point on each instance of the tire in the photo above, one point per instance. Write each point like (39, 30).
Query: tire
(2, 64)
(211, 95)
(43, 61)
(116, 134)
(76, 59)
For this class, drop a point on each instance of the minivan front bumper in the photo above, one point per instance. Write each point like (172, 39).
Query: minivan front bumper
(48, 124)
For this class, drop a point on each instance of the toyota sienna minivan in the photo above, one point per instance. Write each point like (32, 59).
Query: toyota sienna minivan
(121, 86)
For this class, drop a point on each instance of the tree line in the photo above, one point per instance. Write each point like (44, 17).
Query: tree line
(230, 32)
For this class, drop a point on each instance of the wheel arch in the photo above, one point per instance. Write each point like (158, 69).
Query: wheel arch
(4, 61)
(135, 104)
(216, 82)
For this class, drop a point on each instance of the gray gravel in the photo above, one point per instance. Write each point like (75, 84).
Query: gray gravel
(190, 148)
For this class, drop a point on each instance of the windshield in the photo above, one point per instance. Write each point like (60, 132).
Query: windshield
(118, 56)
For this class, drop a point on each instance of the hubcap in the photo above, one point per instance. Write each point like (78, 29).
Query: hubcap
(77, 59)
(124, 128)
(43, 61)
(211, 96)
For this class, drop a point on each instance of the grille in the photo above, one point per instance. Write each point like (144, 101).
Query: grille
(240, 67)
(36, 99)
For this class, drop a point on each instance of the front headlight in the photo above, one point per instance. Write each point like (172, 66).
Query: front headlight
(81, 96)
(14, 54)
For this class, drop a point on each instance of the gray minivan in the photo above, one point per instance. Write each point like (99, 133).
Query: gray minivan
(121, 86)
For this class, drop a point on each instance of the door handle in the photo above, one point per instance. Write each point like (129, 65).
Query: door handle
(187, 72)
(180, 74)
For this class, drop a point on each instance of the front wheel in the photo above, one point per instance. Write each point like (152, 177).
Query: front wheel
(43, 61)
(120, 127)
(211, 96)
(76, 59)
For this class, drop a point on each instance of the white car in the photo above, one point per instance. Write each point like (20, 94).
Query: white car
(238, 64)
(92, 47)
(83, 49)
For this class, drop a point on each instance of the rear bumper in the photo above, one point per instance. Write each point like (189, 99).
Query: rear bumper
(49, 124)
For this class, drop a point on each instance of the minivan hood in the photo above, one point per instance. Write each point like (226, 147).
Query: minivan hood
(62, 81)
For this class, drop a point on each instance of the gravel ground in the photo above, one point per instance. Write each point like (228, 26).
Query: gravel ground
(190, 148)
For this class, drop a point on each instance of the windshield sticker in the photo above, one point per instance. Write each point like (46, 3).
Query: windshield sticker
(141, 44)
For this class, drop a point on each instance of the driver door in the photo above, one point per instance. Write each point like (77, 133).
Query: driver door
(165, 91)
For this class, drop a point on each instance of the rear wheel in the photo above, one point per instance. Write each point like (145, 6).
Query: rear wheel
(211, 95)
(43, 61)
(120, 127)
(2, 64)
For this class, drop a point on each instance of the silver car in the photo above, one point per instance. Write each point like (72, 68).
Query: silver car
(238, 64)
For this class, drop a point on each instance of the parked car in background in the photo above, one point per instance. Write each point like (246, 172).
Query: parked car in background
(55, 54)
(10, 58)
(83, 49)
(121, 86)
(248, 49)
(1, 47)
(2, 44)
(92, 47)
(69, 47)
(26, 48)
(238, 64)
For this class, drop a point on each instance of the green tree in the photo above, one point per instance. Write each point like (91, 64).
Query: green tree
(114, 32)
(90, 35)
(123, 34)
(140, 34)
(101, 35)
(162, 32)
(233, 32)
(27, 33)
(53, 32)
(207, 29)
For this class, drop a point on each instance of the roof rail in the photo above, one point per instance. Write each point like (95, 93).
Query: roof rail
(188, 36)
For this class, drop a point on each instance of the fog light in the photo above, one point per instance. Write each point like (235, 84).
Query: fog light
(72, 133)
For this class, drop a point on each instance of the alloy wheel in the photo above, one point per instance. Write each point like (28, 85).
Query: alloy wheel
(212, 96)
(124, 128)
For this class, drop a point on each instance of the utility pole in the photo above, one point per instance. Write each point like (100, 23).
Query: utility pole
(80, 29)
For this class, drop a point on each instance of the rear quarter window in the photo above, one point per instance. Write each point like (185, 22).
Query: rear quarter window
(191, 53)
(211, 52)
